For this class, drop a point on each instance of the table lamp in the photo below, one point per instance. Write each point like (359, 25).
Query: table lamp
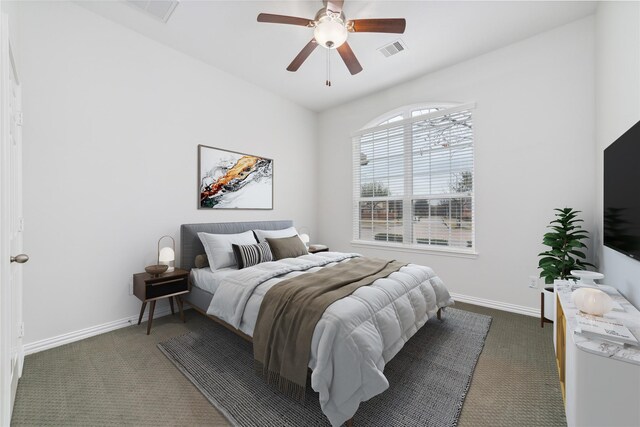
(167, 255)
(592, 301)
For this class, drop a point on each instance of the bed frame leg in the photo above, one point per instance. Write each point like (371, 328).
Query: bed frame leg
(439, 314)
(349, 422)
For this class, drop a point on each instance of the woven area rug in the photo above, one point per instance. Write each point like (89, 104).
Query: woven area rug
(428, 379)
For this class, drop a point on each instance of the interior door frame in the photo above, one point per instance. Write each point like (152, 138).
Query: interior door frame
(7, 65)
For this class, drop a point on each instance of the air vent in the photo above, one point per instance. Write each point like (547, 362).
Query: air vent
(393, 48)
(158, 9)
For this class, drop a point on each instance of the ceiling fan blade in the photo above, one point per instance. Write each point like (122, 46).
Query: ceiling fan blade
(282, 19)
(335, 6)
(302, 56)
(391, 25)
(349, 58)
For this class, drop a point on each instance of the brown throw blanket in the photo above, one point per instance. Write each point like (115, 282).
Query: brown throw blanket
(290, 311)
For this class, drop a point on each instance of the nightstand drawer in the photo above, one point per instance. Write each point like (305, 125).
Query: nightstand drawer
(149, 289)
(166, 287)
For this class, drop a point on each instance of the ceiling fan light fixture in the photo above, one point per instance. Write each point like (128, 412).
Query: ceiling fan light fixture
(330, 32)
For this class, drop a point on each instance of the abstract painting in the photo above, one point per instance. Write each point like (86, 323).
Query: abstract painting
(231, 180)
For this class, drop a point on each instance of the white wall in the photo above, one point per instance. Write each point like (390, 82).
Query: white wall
(535, 151)
(618, 108)
(112, 121)
(10, 8)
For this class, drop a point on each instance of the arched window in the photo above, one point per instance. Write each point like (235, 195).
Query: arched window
(413, 179)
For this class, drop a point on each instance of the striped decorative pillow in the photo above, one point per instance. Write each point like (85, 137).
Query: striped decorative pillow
(248, 255)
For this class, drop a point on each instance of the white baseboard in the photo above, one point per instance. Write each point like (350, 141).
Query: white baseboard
(47, 343)
(498, 305)
(70, 337)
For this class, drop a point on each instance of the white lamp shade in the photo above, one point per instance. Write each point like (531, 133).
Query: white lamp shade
(166, 255)
(330, 33)
(592, 301)
(304, 238)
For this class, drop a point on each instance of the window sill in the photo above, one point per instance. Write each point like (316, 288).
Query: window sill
(458, 253)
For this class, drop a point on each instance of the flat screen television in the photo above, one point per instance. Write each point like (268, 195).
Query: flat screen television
(622, 194)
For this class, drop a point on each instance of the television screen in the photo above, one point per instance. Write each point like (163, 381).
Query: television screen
(622, 193)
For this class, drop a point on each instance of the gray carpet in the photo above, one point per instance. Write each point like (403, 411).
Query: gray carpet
(516, 380)
(121, 378)
(428, 379)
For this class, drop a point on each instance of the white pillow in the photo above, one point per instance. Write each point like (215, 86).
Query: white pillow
(219, 250)
(275, 234)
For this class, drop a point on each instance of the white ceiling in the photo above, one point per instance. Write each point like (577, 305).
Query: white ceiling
(226, 35)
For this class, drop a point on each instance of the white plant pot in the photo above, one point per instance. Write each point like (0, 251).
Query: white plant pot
(549, 303)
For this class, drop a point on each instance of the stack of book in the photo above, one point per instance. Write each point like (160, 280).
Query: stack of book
(605, 329)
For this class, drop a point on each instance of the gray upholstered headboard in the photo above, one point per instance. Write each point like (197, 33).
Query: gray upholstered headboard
(190, 244)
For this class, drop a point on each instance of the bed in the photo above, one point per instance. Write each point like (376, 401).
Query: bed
(355, 337)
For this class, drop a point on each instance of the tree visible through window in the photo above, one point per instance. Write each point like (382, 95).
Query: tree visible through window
(413, 177)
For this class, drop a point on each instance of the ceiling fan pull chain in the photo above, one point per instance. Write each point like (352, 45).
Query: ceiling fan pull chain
(328, 82)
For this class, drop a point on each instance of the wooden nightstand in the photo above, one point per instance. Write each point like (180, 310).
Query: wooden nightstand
(318, 248)
(167, 285)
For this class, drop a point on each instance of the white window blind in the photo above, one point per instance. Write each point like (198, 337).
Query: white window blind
(413, 180)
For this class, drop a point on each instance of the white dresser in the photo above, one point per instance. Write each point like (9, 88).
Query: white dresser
(600, 381)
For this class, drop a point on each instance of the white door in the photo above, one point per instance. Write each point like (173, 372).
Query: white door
(11, 226)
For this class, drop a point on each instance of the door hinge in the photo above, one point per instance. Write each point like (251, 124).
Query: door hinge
(21, 224)
(18, 118)
(21, 331)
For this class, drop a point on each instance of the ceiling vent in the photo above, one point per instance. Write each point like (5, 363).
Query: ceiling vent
(393, 48)
(158, 9)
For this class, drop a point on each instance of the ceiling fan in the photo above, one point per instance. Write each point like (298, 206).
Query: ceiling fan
(331, 30)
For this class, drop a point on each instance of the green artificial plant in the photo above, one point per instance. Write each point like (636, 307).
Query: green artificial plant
(566, 251)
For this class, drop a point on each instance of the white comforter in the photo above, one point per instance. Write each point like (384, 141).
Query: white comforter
(355, 337)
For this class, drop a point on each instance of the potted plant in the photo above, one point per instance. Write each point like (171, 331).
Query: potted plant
(565, 253)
